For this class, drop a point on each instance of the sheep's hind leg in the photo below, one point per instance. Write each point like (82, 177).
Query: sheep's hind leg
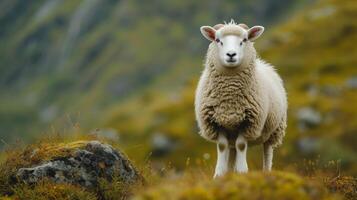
(222, 156)
(267, 157)
(241, 165)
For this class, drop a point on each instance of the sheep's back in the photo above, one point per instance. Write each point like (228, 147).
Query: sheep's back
(271, 84)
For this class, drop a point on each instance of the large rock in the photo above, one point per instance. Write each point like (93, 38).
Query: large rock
(84, 165)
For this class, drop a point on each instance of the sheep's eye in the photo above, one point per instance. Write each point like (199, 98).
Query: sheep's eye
(219, 41)
(245, 39)
(241, 43)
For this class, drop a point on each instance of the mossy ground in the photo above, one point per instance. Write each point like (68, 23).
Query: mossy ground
(47, 190)
(192, 182)
(254, 185)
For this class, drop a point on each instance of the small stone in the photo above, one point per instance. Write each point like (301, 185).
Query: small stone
(312, 90)
(307, 145)
(308, 118)
(351, 83)
(161, 145)
(331, 90)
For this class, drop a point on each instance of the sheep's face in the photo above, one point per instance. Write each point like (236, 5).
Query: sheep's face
(230, 49)
(231, 41)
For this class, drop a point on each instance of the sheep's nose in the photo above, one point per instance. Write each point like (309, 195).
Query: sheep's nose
(231, 54)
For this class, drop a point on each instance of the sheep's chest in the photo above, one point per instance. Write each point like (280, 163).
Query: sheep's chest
(229, 103)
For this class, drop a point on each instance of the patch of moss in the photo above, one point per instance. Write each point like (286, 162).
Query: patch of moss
(345, 185)
(254, 185)
(115, 189)
(47, 190)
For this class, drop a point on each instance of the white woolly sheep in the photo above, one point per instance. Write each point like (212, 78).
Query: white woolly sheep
(239, 98)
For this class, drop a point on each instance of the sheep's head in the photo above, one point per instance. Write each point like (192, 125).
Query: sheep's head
(231, 41)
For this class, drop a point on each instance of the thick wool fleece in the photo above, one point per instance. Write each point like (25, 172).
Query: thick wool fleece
(249, 100)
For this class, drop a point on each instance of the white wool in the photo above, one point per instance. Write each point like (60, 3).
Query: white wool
(246, 103)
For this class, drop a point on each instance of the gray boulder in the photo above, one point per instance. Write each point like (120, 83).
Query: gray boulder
(85, 165)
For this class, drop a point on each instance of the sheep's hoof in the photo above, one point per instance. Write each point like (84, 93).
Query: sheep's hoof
(241, 171)
(218, 174)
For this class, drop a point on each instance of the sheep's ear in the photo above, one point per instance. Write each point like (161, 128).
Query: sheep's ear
(208, 32)
(255, 32)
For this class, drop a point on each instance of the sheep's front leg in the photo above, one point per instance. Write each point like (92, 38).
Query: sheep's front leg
(267, 157)
(241, 145)
(222, 156)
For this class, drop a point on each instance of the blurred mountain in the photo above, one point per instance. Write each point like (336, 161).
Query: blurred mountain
(65, 61)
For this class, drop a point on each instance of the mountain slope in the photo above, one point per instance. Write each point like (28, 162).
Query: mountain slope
(61, 58)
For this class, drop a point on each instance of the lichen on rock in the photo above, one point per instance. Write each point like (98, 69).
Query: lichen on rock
(84, 165)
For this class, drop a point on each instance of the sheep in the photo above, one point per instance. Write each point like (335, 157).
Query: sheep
(239, 98)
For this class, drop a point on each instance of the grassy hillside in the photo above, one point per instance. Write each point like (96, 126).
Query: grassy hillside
(75, 59)
(315, 54)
